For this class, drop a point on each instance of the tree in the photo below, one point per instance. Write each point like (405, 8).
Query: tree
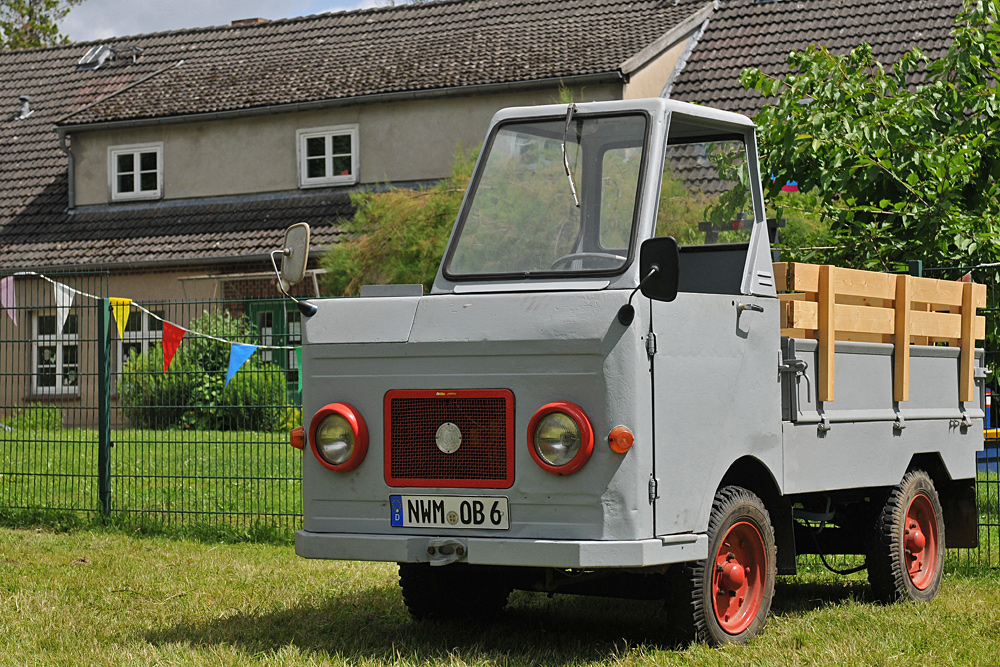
(899, 171)
(398, 236)
(28, 23)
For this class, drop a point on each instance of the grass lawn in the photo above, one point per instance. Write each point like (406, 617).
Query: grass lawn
(101, 597)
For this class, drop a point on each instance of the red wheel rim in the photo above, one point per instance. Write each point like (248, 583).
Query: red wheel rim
(920, 542)
(738, 578)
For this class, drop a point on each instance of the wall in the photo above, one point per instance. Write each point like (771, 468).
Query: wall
(650, 80)
(399, 141)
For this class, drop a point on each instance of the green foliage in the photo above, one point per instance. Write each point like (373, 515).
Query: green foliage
(28, 23)
(898, 171)
(193, 393)
(399, 235)
(34, 418)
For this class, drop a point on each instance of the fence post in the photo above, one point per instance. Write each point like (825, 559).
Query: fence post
(104, 406)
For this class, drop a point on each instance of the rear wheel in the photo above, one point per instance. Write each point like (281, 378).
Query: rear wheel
(731, 590)
(907, 547)
(453, 591)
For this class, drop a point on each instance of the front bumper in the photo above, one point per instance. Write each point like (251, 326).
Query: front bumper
(580, 554)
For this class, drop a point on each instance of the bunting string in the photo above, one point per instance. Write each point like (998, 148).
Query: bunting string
(120, 306)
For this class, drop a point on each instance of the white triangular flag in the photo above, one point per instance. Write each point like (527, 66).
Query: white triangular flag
(64, 301)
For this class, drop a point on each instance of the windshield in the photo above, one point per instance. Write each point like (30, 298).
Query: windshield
(522, 218)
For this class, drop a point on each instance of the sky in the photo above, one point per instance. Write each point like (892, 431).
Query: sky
(100, 19)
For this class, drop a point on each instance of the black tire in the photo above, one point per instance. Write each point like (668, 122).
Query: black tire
(722, 611)
(902, 564)
(453, 591)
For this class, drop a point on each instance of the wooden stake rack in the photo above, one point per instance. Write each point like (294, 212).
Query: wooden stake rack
(829, 303)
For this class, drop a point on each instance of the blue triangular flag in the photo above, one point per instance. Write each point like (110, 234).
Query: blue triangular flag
(238, 355)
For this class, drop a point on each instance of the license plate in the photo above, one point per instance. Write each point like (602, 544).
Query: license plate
(489, 512)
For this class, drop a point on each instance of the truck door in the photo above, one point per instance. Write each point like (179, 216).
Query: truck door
(715, 391)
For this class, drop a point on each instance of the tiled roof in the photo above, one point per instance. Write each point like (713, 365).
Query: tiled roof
(408, 48)
(744, 33)
(231, 228)
(404, 49)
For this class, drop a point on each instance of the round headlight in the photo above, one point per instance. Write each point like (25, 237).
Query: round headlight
(339, 437)
(560, 437)
(557, 439)
(335, 440)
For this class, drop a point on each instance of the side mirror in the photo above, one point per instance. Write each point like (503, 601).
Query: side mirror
(294, 254)
(660, 252)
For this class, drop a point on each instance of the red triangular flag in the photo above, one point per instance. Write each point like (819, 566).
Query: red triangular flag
(172, 335)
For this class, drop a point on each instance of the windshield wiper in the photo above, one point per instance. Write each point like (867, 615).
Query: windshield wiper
(569, 174)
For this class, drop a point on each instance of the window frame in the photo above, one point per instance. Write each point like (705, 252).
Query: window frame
(135, 150)
(58, 340)
(328, 133)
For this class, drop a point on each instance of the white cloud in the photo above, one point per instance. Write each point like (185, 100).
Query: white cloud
(101, 19)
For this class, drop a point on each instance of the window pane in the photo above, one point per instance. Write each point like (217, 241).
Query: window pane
(126, 183)
(46, 366)
(342, 144)
(46, 325)
(342, 166)
(70, 328)
(619, 185)
(154, 323)
(147, 161)
(147, 182)
(126, 163)
(134, 323)
(315, 146)
(316, 167)
(70, 366)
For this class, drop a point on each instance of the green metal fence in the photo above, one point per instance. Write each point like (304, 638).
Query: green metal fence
(90, 422)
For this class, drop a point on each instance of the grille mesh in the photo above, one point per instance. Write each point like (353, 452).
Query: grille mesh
(412, 453)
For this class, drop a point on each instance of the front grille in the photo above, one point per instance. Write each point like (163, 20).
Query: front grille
(485, 418)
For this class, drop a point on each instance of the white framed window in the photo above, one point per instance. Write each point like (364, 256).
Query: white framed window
(141, 331)
(55, 356)
(327, 156)
(136, 171)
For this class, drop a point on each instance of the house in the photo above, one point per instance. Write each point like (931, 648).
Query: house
(170, 163)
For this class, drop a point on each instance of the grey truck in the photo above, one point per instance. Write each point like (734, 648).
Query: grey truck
(613, 389)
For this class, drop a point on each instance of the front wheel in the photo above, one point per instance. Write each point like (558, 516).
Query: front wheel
(907, 548)
(733, 587)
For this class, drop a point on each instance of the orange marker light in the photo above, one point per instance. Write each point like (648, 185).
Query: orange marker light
(297, 437)
(620, 439)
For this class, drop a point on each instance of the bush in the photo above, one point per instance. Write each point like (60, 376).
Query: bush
(192, 394)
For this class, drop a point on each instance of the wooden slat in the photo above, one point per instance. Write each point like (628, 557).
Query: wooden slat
(967, 380)
(780, 275)
(979, 295)
(940, 292)
(903, 314)
(803, 314)
(980, 327)
(825, 334)
(852, 282)
(861, 319)
(936, 325)
(803, 277)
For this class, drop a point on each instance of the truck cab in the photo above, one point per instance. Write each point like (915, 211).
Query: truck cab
(595, 396)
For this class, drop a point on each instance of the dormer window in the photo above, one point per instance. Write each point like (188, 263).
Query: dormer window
(328, 156)
(135, 172)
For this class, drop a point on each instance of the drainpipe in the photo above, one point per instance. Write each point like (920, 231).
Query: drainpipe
(71, 171)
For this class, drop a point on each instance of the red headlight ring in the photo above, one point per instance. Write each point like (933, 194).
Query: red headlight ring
(357, 422)
(586, 437)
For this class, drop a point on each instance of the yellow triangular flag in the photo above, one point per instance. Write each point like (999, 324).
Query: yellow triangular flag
(120, 309)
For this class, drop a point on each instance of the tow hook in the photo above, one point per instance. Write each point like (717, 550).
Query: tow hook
(444, 551)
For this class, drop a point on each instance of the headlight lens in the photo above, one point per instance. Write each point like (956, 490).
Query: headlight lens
(560, 437)
(557, 439)
(338, 437)
(335, 439)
